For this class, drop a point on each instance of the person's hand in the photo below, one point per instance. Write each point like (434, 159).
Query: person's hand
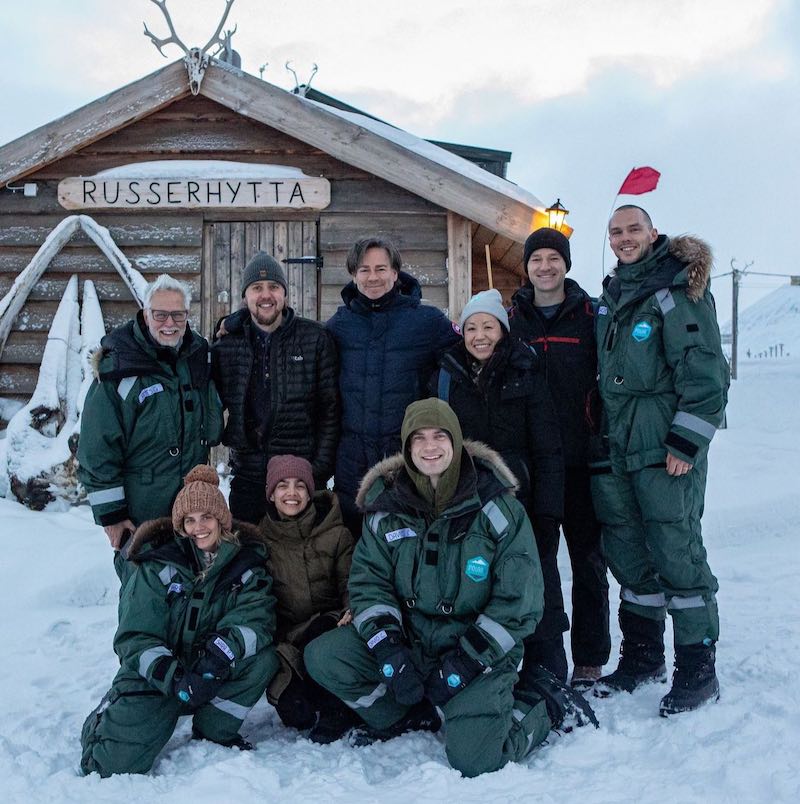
(346, 619)
(456, 670)
(397, 669)
(675, 466)
(211, 670)
(116, 533)
(221, 332)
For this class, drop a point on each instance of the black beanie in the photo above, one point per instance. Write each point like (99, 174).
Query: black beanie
(262, 268)
(547, 238)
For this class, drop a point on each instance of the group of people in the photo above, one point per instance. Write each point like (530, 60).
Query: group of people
(424, 589)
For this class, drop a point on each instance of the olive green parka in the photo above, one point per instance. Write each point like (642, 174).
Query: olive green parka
(469, 576)
(663, 377)
(150, 415)
(170, 604)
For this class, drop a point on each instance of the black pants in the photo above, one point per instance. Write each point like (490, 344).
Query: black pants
(591, 643)
(248, 500)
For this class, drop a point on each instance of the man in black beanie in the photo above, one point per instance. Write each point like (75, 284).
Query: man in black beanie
(277, 374)
(555, 316)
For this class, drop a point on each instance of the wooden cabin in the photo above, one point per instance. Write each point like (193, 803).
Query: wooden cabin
(337, 175)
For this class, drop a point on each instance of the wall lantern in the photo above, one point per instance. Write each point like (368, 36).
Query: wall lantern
(556, 215)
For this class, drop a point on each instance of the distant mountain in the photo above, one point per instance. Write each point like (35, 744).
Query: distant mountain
(773, 320)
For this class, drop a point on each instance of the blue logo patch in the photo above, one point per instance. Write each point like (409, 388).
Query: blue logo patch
(477, 569)
(387, 670)
(602, 310)
(453, 680)
(642, 331)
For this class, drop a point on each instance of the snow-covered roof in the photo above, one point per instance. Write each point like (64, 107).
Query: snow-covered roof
(394, 155)
(200, 168)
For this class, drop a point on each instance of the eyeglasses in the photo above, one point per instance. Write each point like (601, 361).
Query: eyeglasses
(178, 316)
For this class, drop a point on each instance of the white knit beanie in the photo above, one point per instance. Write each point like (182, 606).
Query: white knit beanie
(487, 301)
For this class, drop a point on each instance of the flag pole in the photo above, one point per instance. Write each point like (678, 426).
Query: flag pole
(605, 234)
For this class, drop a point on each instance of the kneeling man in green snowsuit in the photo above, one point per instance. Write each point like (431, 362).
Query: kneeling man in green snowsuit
(444, 586)
(195, 636)
(663, 382)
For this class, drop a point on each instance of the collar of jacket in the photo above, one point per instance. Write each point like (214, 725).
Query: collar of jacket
(509, 352)
(127, 352)
(406, 292)
(157, 540)
(522, 302)
(684, 261)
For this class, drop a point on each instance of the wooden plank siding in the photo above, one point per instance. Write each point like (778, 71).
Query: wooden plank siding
(172, 241)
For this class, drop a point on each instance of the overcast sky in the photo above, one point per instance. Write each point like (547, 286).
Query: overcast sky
(581, 91)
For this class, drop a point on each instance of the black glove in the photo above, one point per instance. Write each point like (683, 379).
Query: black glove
(456, 670)
(397, 669)
(197, 686)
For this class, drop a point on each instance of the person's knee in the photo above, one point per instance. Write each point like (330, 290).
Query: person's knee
(477, 756)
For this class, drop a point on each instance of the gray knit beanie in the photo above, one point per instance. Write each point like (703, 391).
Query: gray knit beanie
(263, 268)
(487, 301)
(546, 238)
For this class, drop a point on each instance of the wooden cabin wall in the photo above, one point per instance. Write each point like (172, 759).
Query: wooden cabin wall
(165, 241)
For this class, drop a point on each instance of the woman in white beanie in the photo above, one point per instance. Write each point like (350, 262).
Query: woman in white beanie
(494, 385)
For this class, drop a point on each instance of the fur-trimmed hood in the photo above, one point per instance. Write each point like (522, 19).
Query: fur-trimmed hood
(157, 532)
(684, 261)
(389, 468)
(698, 260)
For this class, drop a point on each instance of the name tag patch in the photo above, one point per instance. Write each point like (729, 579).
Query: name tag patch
(477, 569)
(403, 533)
(149, 391)
(602, 310)
(642, 331)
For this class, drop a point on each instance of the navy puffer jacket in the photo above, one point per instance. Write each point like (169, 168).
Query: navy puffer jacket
(387, 350)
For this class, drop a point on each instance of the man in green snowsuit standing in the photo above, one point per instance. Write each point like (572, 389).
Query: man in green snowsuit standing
(444, 586)
(663, 382)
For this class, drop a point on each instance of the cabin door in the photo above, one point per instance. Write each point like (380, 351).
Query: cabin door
(227, 247)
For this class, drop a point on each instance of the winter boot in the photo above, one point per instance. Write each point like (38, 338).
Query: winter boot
(421, 717)
(584, 676)
(547, 653)
(566, 707)
(694, 681)
(335, 721)
(641, 659)
(294, 707)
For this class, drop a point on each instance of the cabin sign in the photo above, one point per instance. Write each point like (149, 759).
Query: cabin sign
(193, 185)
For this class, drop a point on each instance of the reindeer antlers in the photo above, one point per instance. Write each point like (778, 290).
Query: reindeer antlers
(159, 43)
(173, 37)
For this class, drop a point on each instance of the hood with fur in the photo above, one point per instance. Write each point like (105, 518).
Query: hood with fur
(698, 260)
(389, 468)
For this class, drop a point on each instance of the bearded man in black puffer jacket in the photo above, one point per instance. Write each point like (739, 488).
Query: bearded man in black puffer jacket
(277, 374)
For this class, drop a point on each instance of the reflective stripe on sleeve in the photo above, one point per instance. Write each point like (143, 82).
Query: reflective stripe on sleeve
(657, 600)
(167, 574)
(496, 632)
(246, 576)
(496, 517)
(375, 520)
(693, 602)
(106, 496)
(250, 640)
(374, 611)
(231, 708)
(366, 701)
(695, 424)
(147, 658)
(125, 385)
(665, 300)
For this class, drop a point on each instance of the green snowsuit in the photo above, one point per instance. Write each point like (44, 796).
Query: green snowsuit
(149, 417)
(167, 611)
(469, 577)
(663, 382)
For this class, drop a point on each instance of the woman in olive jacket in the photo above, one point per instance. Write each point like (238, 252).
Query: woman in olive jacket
(195, 635)
(310, 552)
(494, 385)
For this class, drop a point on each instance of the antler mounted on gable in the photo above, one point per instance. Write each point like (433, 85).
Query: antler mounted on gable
(196, 58)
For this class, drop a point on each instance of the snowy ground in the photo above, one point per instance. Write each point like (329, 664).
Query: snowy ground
(58, 594)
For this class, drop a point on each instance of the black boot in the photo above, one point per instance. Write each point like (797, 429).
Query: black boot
(694, 681)
(547, 653)
(334, 721)
(294, 707)
(641, 659)
(421, 717)
(566, 707)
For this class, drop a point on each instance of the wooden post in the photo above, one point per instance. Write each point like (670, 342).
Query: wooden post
(489, 267)
(459, 263)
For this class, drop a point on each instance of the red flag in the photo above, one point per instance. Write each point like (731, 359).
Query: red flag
(640, 180)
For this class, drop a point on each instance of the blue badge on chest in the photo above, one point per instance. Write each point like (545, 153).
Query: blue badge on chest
(150, 390)
(477, 569)
(641, 332)
(403, 533)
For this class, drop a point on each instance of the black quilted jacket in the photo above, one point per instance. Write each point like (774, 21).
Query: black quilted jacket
(304, 415)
